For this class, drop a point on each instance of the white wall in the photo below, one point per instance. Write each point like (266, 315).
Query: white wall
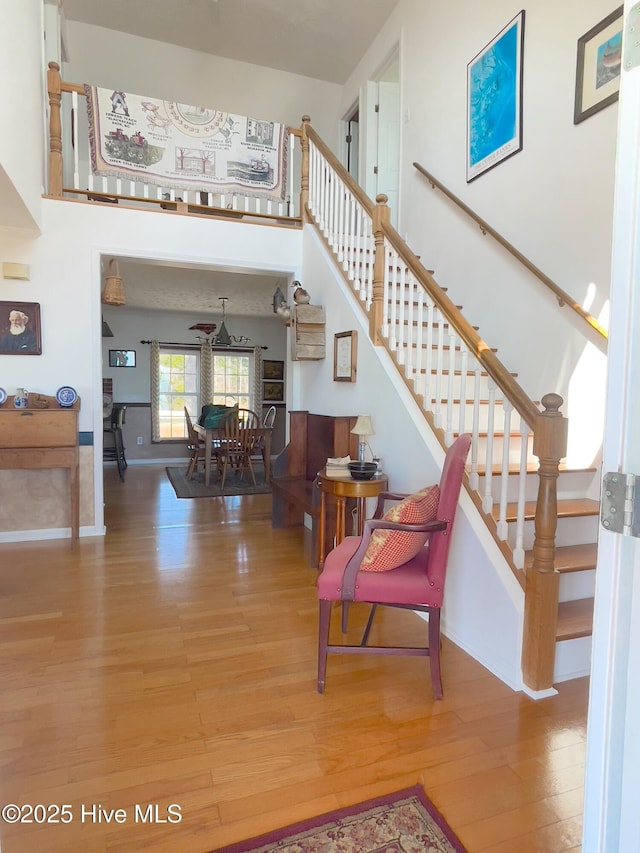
(22, 137)
(156, 69)
(552, 200)
(66, 282)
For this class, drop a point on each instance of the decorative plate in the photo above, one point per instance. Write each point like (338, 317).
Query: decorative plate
(66, 395)
(3, 396)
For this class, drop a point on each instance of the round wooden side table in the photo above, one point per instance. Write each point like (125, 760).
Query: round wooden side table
(342, 488)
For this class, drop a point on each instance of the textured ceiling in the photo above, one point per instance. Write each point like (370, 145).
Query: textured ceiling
(195, 290)
(324, 39)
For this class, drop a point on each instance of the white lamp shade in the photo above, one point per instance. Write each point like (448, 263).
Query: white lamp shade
(363, 426)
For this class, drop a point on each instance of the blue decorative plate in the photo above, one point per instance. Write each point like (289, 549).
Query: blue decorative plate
(66, 396)
(3, 396)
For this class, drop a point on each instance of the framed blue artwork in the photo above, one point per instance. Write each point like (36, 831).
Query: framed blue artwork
(494, 100)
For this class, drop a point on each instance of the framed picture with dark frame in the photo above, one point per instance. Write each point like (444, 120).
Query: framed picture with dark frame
(345, 355)
(273, 370)
(20, 331)
(598, 66)
(494, 100)
(273, 392)
(122, 358)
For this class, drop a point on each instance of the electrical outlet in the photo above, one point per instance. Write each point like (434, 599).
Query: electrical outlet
(139, 440)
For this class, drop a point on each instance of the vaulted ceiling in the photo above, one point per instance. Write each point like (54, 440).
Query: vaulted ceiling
(324, 39)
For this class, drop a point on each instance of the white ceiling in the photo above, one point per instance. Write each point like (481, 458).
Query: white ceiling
(324, 39)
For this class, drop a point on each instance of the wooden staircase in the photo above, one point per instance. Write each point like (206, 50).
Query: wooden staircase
(536, 509)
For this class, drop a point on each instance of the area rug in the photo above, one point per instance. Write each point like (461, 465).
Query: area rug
(196, 488)
(404, 822)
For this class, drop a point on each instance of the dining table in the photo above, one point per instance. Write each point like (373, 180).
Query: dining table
(213, 436)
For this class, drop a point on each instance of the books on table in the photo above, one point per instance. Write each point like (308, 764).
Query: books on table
(337, 467)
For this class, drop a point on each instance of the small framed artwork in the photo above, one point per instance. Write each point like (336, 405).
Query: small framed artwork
(273, 370)
(273, 392)
(345, 354)
(494, 100)
(20, 328)
(598, 67)
(122, 358)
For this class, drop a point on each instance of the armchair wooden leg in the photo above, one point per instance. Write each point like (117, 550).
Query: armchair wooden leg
(434, 652)
(324, 620)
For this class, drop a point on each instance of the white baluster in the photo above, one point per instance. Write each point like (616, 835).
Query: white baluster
(418, 384)
(474, 476)
(448, 433)
(518, 551)
(76, 144)
(407, 283)
(401, 325)
(428, 368)
(503, 527)
(464, 356)
(437, 403)
(487, 500)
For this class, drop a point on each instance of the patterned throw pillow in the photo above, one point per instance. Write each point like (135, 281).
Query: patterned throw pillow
(389, 549)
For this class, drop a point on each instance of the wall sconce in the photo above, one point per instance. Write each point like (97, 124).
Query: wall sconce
(363, 428)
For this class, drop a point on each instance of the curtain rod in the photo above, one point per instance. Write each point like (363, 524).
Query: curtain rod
(197, 346)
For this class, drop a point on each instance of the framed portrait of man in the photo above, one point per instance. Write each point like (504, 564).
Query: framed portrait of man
(20, 328)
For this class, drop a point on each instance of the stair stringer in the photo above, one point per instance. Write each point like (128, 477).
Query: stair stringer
(484, 604)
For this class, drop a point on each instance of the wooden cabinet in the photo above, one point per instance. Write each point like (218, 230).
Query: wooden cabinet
(34, 438)
(307, 332)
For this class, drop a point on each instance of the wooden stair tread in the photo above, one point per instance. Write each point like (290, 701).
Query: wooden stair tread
(532, 468)
(571, 558)
(571, 508)
(575, 619)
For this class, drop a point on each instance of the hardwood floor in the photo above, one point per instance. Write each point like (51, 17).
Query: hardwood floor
(173, 662)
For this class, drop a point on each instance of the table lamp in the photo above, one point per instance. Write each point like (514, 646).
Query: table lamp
(362, 429)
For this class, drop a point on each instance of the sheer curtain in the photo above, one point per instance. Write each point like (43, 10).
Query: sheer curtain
(155, 391)
(257, 381)
(206, 382)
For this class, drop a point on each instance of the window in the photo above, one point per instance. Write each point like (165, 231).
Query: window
(178, 387)
(230, 376)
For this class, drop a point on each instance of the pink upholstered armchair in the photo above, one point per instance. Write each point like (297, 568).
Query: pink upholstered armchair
(399, 561)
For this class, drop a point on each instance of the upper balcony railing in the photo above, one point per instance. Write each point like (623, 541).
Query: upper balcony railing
(70, 174)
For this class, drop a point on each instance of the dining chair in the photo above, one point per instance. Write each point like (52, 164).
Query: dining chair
(268, 421)
(195, 446)
(237, 440)
(112, 432)
(399, 561)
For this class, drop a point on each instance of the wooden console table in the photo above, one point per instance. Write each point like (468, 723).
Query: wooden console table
(342, 488)
(34, 438)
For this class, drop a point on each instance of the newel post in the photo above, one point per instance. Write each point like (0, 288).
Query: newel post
(381, 215)
(55, 130)
(304, 170)
(542, 580)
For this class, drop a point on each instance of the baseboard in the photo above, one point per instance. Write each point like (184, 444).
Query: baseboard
(49, 533)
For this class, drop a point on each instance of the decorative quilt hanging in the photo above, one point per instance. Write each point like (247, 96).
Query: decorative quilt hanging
(184, 147)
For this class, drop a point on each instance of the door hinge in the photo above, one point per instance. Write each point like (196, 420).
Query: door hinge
(375, 170)
(377, 108)
(620, 504)
(349, 138)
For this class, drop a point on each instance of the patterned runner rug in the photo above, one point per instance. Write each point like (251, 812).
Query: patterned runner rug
(196, 488)
(405, 822)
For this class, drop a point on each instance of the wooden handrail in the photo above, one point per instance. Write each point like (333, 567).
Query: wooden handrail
(562, 297)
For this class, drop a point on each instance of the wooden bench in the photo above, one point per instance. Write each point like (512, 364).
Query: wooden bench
(312, 440)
